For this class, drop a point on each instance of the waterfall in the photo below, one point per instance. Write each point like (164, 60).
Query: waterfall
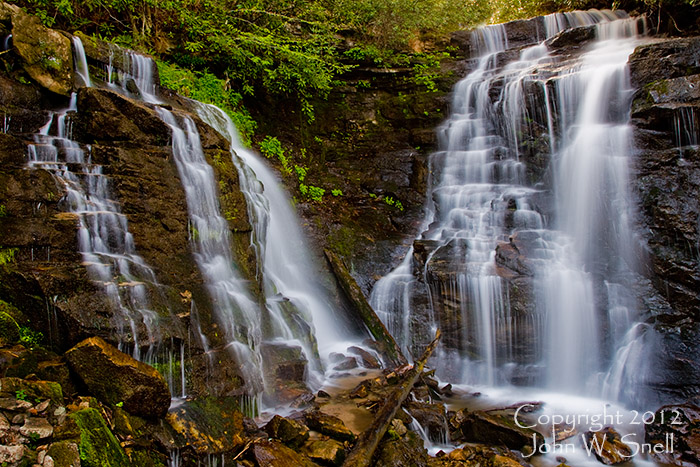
(80, 61)
(532, 292)
(235, 309)
(283, 259)
(104, 241)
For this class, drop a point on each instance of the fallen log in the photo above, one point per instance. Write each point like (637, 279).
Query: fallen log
(364, 309)
(362, 452)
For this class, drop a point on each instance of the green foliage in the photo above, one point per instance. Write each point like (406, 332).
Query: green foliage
(337, 192)
(20, 395)
(271, 147)
(30, 338)
(427, 70)
(393, 203)
(207, 88)
(7, 255)
(3, 210)
(301, 172)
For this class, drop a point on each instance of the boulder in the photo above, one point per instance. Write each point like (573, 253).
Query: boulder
(677, 428)
(407, 450)
(608, 446)
(210, 425)
(328, 425)
(290, 432)
(30, 391)
(482, 427)
(46, 54)
(276, 454)
(98, 446)
(368, 360)
(9, 330)
(64, 454)
(114, 378)
(326, 452)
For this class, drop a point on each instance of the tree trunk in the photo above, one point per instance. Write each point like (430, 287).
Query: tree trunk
(361, 454)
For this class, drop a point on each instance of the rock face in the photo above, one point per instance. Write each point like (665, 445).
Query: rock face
(116, 378)
(665, 114)
(677, 429)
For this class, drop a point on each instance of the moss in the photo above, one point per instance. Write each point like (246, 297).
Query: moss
(9, 330)
(33, 390)
(98, 446)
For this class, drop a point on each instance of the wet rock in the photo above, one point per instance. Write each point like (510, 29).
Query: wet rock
(398, 427)
(105, 116)
(286, 362)
(664, 59)
(608, 446)
(290, 432)
(14, 405)
(347, 363)
(575, 38)
(431, 416)
(325, 452)
(676, 428)
(407, 450)
(329, 425)
(46, 54)
(115, 377)
(210, 425)
(368, 360)
(482, 427)
(275, 454)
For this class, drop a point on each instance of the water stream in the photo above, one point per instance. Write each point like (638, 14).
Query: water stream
(526, 253)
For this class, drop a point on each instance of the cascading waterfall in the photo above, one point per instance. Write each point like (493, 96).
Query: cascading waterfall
(298, 309)
(104, 240)
(485, 196)
(236, 310)
(80, 61)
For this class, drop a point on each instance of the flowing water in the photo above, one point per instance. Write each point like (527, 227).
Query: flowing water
(104, 240)
(527, 244)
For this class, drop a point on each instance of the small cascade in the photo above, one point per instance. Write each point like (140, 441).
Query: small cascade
(298, 309)
(80, 62)
(7, 42)
(137, 80)
(531, 293)
(686, 126)
(235, 309)
(104, 240)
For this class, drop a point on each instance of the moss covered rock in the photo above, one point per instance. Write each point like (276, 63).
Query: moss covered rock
(114, 377)
(31, 390)
(46, 54)
(9, 330)
(276, 454)
(64, 454)
(98, 447)
(210, 425)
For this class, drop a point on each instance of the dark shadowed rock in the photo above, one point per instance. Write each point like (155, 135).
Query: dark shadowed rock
(406, 450)
(290, 432)
(482, 427)
(114, 377)
(677, 429)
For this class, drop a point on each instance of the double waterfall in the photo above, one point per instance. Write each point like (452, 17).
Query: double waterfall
(526, 259)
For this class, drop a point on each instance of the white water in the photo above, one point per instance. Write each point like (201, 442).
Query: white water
(235, 309)
(104, 241)
(284, 261)
(481, 195)
(80, 61)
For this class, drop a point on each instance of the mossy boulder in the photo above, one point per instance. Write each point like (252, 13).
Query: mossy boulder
(114, 378)
(64, 454)
(326, 452)
(9, 330)
(328, 425)
(46, 54)
(290, 432)
(98, 446)
(31, 390)
(211, 425)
